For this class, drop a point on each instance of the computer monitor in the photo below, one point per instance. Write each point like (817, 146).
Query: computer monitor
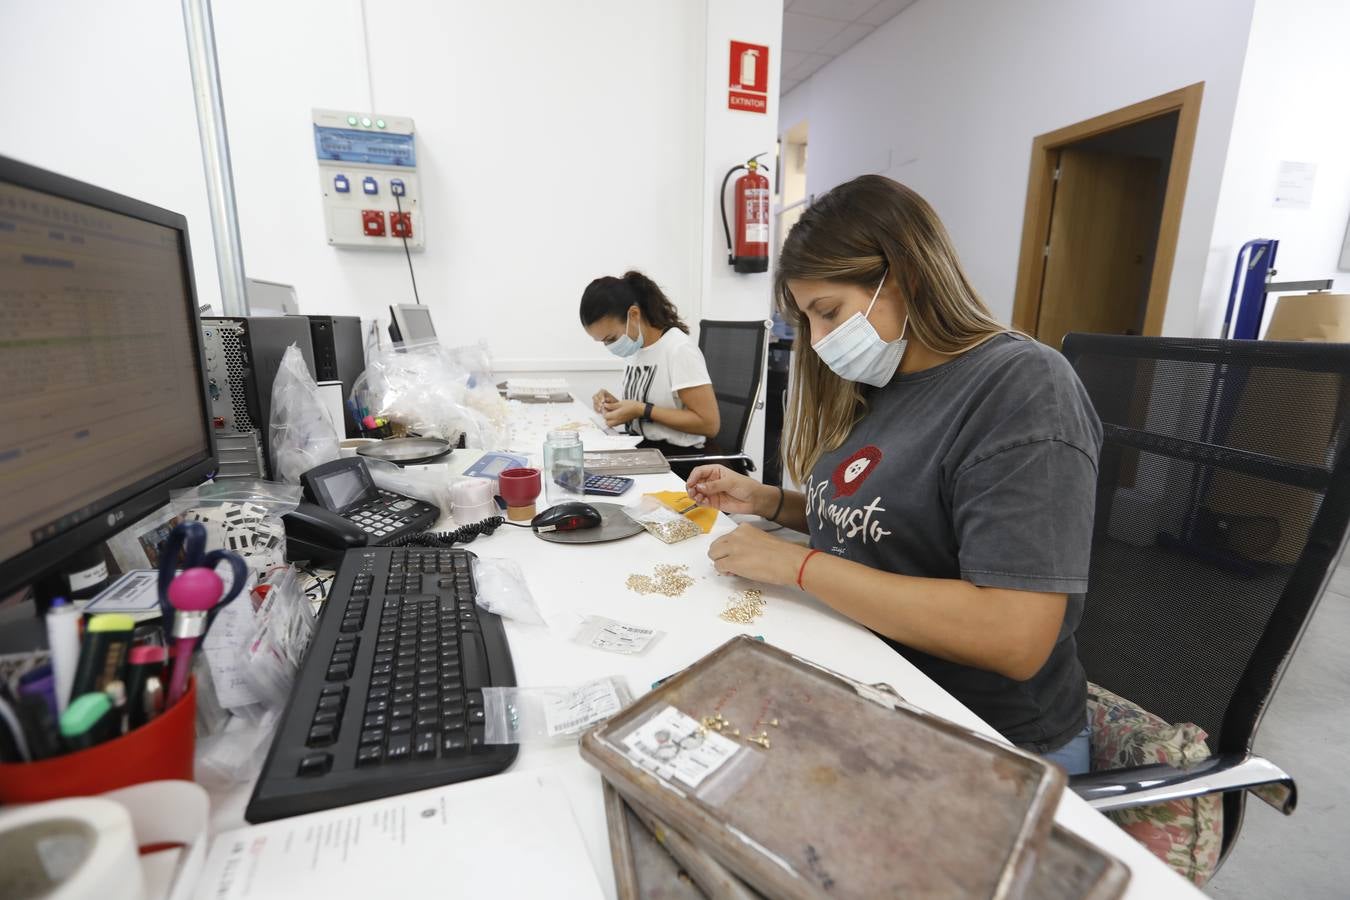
(104, 399)
(410, 322)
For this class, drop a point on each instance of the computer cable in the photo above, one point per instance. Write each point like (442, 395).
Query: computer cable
(464, 534)
(406, 252)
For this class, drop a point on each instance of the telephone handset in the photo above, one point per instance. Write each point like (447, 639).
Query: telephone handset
(345, 509)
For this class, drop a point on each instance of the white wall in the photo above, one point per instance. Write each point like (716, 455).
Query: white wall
(948, 96)
(1292, 106)
(101, 92)
(554, 145)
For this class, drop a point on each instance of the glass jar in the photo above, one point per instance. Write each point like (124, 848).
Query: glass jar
(564, 468)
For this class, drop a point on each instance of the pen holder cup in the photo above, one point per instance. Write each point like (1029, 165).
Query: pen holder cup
(160, 749)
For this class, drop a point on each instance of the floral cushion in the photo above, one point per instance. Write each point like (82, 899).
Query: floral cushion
(1185, 834)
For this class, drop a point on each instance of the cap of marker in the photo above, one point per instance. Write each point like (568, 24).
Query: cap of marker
(110, 622)
(147, 654)
(83, 713)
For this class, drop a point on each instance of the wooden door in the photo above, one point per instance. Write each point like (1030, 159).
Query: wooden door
(1104, 223)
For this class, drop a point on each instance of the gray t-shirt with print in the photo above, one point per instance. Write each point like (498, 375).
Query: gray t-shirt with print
(982, 468)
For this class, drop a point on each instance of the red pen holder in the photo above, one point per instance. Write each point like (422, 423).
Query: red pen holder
(162, 748)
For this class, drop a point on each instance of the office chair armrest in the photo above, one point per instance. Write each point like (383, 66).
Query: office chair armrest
(1145, 785)
(702, 458)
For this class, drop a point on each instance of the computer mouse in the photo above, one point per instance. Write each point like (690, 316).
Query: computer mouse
(573, 516)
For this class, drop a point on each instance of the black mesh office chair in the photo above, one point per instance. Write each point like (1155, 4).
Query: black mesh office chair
(734, 352)
(1222, 505)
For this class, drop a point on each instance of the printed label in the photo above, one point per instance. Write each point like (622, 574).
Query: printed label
(620, 637)
(573, 710)
(674, 746)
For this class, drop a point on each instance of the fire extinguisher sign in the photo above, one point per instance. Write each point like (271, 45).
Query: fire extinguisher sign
(749, 78)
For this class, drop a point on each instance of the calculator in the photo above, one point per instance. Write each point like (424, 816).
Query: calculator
(607, 485)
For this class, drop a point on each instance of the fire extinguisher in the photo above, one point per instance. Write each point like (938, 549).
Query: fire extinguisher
(751, 196)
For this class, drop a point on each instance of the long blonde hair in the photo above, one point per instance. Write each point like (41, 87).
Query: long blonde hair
(854, 234)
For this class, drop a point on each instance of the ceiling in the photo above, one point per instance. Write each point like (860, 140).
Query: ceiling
(816, 31)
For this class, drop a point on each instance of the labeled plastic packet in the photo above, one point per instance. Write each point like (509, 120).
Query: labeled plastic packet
(614, 636)
(242, 515)
(518, 715)
(662, 521)
(501, 589)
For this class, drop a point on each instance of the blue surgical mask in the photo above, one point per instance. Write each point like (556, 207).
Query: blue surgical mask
(624, 346)
(855, 352)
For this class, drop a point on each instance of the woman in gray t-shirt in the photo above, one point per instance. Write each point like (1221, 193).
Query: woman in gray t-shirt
(949, 468)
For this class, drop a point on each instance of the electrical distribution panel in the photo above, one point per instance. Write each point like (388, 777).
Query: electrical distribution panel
(368, 180)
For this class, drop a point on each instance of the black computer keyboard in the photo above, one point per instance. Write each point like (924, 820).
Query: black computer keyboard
(389, 697)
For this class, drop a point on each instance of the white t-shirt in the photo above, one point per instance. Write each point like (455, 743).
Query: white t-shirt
(654, 375)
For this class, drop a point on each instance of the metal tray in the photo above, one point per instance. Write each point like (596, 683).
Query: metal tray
(857, 795)
(614, 525)
(643, 870)
(1072, 869)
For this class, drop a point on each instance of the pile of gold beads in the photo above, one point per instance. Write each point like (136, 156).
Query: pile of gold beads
(674, 530)
(668, 580)
(744, 607)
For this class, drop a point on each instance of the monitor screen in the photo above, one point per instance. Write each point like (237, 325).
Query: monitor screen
(415, 323)
(103, 389)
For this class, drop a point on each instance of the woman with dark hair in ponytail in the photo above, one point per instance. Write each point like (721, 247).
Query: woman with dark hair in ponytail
(667, 394)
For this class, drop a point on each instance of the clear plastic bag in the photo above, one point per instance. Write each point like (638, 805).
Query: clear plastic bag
(242, 515)
(662, 521)
(549, 714)
(423, 483)
(502, 590)
(282, 626)
(301, 432)
(614, 636)
(436, 391)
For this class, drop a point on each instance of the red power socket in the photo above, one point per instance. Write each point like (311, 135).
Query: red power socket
(372, 222)
(400, 224)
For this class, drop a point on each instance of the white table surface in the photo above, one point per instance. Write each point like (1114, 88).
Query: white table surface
(572, 580)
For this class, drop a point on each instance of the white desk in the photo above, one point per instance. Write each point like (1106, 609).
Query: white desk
(570, 580)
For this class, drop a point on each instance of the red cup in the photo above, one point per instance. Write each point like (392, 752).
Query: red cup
(160, 749)
(519, 487)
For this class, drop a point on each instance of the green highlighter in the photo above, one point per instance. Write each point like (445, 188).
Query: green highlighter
(87, 721)
(103, 652)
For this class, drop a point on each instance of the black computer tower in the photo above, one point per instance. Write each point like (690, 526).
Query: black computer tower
(243, 354)
(339, 355)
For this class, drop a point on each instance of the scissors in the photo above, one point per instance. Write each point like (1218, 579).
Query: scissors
(189, 538)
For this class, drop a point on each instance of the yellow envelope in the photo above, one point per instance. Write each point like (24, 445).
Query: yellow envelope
(680, 502)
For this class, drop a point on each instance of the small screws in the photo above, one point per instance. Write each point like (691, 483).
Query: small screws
(744, 608)
(668, 580)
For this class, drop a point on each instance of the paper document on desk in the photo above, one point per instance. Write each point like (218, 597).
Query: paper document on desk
(507, 836)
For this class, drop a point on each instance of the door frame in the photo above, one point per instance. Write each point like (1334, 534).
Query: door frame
(1040, 194)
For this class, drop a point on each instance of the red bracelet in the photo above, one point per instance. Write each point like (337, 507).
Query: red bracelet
(801, 571)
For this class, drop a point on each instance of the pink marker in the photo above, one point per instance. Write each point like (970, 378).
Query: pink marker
(191, 594)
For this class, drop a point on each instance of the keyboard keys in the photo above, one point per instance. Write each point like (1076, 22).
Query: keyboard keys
(474, 660)
(372, 736)
(424, 744)
(369, 755)
(453, 742)
(315, 764)
(400, 745)
(321, 735)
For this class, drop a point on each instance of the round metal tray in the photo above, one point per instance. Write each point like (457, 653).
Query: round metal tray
(614, 525)
(407, 451)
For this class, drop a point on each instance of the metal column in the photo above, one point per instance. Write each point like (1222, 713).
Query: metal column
(201, 45)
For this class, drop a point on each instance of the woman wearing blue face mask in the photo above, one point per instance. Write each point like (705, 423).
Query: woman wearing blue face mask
(949, 468)
(667, 395)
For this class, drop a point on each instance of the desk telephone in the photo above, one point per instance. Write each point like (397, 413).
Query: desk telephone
(344, 509)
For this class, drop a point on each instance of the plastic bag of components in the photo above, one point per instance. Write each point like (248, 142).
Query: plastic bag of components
(613, 636)
(283, 623)
(502, 590)
(428, 483)
(242, 515)
(662, 521)
(301, 432)
(549, 714)
(435, 391)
